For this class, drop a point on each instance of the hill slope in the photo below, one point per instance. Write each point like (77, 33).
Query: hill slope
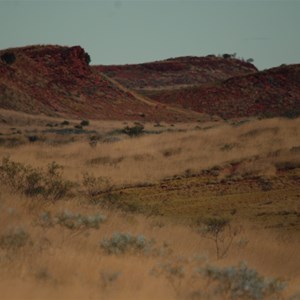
(270, 93)
(177, 72)
(226, 87)
(57, 80)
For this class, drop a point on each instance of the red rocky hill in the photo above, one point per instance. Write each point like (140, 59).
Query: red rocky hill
(176, 73)
(57, 80)
(226, 87)
(269, 93)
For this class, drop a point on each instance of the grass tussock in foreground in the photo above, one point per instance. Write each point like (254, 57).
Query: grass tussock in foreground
(207, 212)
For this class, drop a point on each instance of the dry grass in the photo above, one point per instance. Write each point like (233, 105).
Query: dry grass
(58, 265)
(256, 184)
(153, 157)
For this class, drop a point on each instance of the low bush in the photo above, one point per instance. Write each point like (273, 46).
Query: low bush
(14, 239)
(34, 181)
(220, 232)
(94, 186)
(241, 282)
(33, 138)
(93, 140)
(70, 220)
(121, 243)
(65, 123)
(85, 123)
(136, 130)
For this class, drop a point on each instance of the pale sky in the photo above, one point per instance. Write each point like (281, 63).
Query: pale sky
(120, 31)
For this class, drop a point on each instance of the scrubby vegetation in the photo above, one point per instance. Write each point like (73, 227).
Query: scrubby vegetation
(134, 130)
(34, 181)
(220, 232)
(207, 212)
(241, 282)
(121, 243)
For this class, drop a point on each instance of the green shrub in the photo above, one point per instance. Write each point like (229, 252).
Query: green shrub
(77, 221)
(94, 186)
(136, 130)
(220, 232)
(33, 138)
(55, 186)
(242, 282)
(93, 140)
(121, 243)
(174, 271)
(292, 114)
(70, 220)
(85, 123)
(34, 181)
(65, 123)
(14, 239)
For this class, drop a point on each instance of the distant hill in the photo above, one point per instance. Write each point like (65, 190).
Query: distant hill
(226, 87)
(177, 72)
(57, 80)
(270, 93)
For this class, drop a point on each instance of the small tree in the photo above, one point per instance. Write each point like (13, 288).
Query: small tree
(220, 232)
